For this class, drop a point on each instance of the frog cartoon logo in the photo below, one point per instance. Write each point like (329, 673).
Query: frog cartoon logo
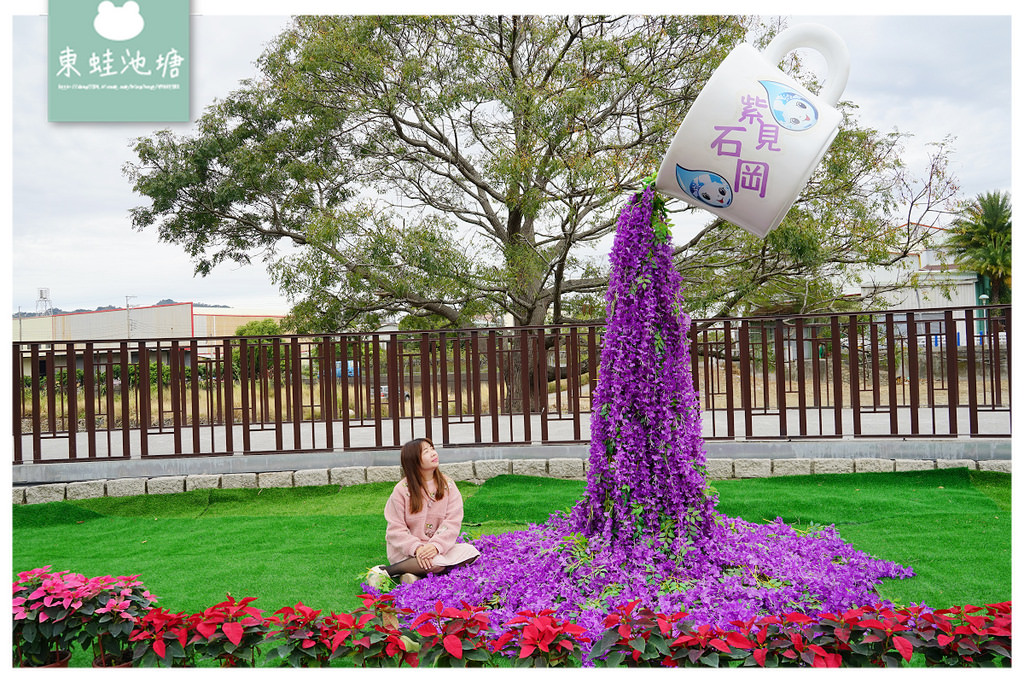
(790, 109)
(706, 187)
(118, 23)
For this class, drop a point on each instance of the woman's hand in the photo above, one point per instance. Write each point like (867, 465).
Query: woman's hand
(425, 554)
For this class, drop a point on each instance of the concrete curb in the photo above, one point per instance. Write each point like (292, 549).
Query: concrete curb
(475, 472)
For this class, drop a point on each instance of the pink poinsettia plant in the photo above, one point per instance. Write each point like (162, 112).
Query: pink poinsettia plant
(116, 608)
(47, 623)
(55, 612)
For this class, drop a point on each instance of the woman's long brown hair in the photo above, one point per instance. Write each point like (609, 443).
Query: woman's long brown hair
(410, 459)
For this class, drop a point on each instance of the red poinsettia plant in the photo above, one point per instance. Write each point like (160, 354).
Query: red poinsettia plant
(635, 637)
(305, 637)
(229, 632)
(540, 639)
(383, 641)
(163, 638)
(453, 636)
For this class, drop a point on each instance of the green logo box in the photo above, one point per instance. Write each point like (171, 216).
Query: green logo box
(126, 60)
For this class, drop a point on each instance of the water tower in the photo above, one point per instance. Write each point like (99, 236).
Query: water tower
(43, 304)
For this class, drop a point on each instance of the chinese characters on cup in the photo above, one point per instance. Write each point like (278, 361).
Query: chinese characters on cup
(790, 111)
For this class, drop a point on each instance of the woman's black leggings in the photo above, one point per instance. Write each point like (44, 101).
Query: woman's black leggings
(411, 565)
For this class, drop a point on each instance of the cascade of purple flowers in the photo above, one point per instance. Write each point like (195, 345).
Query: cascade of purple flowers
(647, 528)
(646, 479)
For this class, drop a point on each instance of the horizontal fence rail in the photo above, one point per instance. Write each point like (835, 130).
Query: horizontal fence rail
(922, 373)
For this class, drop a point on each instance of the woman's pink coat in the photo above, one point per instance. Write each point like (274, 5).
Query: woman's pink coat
(438, 522)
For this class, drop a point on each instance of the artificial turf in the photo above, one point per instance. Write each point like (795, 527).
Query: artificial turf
(314, 544)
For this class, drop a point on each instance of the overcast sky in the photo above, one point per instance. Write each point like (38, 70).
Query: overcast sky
(928, 75)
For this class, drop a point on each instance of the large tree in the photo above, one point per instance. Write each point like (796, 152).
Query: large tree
(450, 167)
(980, 239)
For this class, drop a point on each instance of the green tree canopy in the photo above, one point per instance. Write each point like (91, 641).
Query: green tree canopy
(268, 327)
(980, 240)
(453, 167)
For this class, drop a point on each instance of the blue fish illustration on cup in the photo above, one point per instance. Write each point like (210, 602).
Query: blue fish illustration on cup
(790, 109)
(705, 186)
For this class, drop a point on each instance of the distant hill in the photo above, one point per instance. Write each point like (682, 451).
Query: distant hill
(165, 302)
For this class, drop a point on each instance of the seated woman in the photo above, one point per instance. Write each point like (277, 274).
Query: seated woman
(424, 516)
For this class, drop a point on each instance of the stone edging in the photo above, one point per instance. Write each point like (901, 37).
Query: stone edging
(475, 472)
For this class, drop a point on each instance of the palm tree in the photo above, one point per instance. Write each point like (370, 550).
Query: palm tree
(979, 240)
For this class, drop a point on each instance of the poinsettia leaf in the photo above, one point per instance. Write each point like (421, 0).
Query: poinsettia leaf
(614, 659)
(738, 641)
(719, 644)
(206, 629)
(904, 646)
(234, 631)
(454, 646)
(476, 655)
(610, 637)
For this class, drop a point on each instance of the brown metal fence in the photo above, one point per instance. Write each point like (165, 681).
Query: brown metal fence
(923, 373)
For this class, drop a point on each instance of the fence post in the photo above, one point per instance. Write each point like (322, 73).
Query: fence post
(542, 384)
(492, 383)
(913, 375)
(126, 443)
(854, 378)
(228, 382)
(473, 368)
(295, 353)
(952, 372)
(972, 379)
(37, 436)
(445, 432)
(72, 373)
(426, 394)
(748, 416)
(524, 376)
(890, 344)
(780, 376)
(801, 373)
(90, 402)
(18, 394)
(837, 376)
(194, 364)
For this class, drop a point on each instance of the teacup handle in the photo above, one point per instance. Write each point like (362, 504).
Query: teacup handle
(824, 40)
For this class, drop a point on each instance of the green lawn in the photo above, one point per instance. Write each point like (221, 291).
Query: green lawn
(313, 544)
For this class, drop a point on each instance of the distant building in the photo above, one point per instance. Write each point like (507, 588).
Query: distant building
(939, 282)
(104, 328)
(165, 321)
